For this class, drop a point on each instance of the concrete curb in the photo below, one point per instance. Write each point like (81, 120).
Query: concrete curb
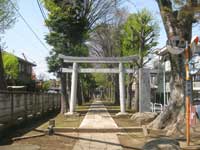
(27, 137)
(98, 130)
(156, 131)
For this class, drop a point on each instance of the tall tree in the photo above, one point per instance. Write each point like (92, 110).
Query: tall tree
(178, 17)
(105, 41)
(140, 36)
(7, 18)
(69, 23)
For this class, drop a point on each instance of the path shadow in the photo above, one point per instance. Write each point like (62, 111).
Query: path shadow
(154, 144)
(98, 141)
(23, 128)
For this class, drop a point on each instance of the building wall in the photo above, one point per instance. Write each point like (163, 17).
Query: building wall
(25, 71)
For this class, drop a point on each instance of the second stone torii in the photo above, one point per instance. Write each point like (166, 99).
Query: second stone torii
(112, 60)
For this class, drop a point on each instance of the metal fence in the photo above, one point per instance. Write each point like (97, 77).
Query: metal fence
(15, 106)
(157, 107)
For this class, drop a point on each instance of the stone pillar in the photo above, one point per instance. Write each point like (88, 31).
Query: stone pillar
(144, 90)
(121, 88)
(73, 96)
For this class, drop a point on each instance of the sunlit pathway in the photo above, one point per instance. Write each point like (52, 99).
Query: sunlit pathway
(98, 117)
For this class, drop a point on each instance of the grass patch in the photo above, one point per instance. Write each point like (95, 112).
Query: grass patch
(69, 121)
(64, 121)
(54, 142)
(124, 121)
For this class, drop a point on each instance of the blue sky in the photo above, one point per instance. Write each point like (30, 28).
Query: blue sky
(20, 39)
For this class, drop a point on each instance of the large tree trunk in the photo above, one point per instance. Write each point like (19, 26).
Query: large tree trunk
(129, 92)
(171, 114)
(2, 77)
(176, 24)
(136, 103)
(79, 92)
(64, 95)
(116, 88)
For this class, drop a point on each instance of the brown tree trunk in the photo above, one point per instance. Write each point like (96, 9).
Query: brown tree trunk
(64, 96)
(173, 115)
(79, 92)
(170, 115)
(116, 84)
(68, 90)
(136, 103)
(129, 92)
(2, 77)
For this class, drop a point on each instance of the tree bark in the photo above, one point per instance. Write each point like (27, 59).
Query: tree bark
(176, 24)
(170, 115)
(79, 92)
(129, 92)
(136, 103)
(2, 74)
(64, 96)
(116, 83)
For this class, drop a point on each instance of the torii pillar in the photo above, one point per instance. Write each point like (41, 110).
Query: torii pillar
(122, 90)
(73, 96)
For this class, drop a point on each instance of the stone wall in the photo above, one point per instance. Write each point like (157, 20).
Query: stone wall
(19, 106)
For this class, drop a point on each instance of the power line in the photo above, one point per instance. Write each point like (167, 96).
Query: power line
(41, 10)
(29, 27)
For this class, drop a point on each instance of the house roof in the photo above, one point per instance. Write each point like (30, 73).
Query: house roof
(26, 61)
(21, 59)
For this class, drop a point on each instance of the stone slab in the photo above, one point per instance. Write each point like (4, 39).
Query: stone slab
(144, 90)
(98, 141)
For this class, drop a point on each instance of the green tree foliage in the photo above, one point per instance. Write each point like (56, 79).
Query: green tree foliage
(68, 30)
(70, 22)
(46, 85)
(7, 15)
(140, 34)
(7, 18)
(11, 66)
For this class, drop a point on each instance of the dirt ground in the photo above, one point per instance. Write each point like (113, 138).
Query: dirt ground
(54, 142)
(129, 141)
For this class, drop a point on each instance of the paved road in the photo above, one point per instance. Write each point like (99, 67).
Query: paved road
(98, 117)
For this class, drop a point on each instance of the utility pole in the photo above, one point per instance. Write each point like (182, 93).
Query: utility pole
(188, 93)
(2, 77)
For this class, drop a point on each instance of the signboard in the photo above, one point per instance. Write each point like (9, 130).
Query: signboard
(194, 63)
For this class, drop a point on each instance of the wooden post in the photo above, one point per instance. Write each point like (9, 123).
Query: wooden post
(25, 106)
(12, 106)
(34, 106)
(42, 99)
(3, 85)
(53, 103)
(187, 95)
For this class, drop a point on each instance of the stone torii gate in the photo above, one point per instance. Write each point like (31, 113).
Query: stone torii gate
(97, 60)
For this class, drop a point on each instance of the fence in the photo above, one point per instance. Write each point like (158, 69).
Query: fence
(156, 107)
(15, 106)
